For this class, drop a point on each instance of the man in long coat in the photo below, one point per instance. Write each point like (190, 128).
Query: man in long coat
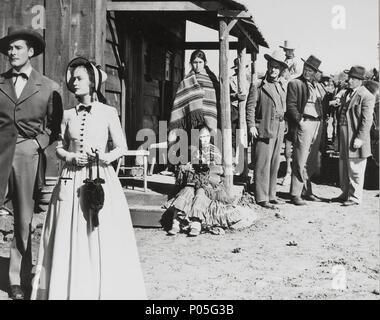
(265, 120)
(355, 118)
(30, 116)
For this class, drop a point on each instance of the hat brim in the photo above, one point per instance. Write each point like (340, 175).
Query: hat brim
(357, 76)
(99, 75)
(269, 57)
(311, 66)
(33, 37)
(287, 48)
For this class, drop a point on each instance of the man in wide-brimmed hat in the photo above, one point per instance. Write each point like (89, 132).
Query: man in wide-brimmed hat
(265, 120)
(294, 70)
(355, 117)
(30, 116)
(304, 113)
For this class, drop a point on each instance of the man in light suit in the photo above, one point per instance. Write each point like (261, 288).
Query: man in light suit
(293, 71)
(30, 116)
(355, 117)
(304, 101)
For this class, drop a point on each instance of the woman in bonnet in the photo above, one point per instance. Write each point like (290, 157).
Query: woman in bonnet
(78, 257)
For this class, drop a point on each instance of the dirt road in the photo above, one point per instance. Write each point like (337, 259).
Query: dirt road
(319, 251)
(295, 256)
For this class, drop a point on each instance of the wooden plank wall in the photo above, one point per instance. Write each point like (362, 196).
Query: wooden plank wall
(113, 64)
(72, 28)
(20, 12)
(151, 96)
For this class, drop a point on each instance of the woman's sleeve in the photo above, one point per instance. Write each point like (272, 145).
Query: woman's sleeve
(118, 138)
(63, 140)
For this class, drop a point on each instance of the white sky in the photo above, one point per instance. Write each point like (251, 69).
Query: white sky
(308, 25)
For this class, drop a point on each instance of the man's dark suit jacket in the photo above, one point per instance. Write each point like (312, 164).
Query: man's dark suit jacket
(36, 114)
(296, 99)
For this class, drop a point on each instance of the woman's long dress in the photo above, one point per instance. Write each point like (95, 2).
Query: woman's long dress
(77, 261)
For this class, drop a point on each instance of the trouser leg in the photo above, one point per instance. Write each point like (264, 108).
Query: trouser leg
(356, 168)
(23, 177)
(313, 164)
(343, 162)
(6, 158)
(301, 149)
(275, 161)
(264, 150)
(288, 156)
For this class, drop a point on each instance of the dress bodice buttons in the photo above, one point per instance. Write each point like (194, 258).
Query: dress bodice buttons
(84, 114)
(92, 130)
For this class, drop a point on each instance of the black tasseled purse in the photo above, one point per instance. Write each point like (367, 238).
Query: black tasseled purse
(93, 193)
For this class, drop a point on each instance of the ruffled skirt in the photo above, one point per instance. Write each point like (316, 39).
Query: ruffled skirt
(196, 205)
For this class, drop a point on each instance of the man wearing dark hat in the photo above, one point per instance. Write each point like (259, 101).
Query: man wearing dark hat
(30, 116)
(355, 119)
(304, 113)
(265, 120)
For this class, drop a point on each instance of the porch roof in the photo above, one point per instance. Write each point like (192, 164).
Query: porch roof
(248, 23)
(201, 12)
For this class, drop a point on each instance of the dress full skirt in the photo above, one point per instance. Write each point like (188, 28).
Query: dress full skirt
(78, 261)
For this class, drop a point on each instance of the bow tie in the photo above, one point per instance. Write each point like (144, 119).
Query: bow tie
(84, 108)
(21, 74)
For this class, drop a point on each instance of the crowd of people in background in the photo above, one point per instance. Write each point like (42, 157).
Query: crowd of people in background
(323, 114)
(293, 107)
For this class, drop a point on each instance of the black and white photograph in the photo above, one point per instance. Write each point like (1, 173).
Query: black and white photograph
(189, 150)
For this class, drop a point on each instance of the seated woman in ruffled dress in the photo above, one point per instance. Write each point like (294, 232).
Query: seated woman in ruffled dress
(203, 202)
(86, 254)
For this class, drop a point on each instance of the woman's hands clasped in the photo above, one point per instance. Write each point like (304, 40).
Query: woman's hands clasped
(103, 158)
(78, 159)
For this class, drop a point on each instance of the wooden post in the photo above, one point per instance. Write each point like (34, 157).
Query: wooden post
(225, 106)
(242, 88)
(251, 150)
(100, 31)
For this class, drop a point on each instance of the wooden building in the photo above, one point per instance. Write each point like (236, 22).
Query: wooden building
(141, 45)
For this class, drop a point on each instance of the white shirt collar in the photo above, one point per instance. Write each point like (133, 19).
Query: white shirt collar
(27, 71)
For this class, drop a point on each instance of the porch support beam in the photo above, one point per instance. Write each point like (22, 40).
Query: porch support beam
(242, 146)
(225, 106)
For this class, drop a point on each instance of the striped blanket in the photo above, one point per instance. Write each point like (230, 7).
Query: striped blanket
(195, 103)
(209, 154)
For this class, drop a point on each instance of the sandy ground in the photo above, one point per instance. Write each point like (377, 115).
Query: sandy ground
(300, 253)
(261, 262)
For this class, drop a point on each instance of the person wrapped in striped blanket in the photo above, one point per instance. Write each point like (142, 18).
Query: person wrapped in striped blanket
(197, 99)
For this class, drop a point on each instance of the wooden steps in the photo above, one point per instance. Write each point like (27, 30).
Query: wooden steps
(145, 207)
